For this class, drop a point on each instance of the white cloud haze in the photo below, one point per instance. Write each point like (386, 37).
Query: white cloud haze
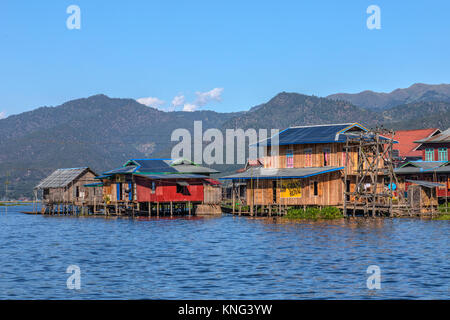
(2, 114)
(204, 97)
(151, 102)
(190, 107)
(178, 100)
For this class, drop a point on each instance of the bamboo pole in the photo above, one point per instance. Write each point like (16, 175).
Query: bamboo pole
(233, 197)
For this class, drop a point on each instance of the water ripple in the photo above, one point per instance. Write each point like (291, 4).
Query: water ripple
(221, 258)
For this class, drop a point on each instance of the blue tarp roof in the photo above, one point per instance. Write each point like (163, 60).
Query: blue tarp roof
(313, 134)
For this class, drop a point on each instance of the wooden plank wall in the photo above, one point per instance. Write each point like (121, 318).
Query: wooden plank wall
(330, 191)
(68, 194)
(336, 155)
(212, 194)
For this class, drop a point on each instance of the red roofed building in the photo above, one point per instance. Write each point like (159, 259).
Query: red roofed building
(407, 147)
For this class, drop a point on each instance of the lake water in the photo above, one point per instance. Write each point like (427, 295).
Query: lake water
(221, 258)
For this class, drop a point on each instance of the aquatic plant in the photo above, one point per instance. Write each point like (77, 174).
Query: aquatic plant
(314, 213)
(445, 208)
(442, 217)
(9, 204)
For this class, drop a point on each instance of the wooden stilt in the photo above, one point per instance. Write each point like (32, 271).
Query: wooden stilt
(233, 197)
(279, 199)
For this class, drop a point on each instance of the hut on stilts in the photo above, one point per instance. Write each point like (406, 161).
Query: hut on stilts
(69, 191)
(159, 187)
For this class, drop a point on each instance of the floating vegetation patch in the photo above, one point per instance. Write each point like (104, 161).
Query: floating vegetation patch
(314, 213)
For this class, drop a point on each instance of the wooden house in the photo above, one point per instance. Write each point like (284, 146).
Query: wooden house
(308, 168)
(434, 166)
(407, 149)
(239, 187)
(430, 171)
(68, 187)
(422, 196)
(161, 182)
(436, 148)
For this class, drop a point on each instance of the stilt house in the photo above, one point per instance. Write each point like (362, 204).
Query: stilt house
(160, 182)
(309, 168)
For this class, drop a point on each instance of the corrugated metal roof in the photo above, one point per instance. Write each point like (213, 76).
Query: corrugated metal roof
(61, 178)
(423, 166)
(443, 137)
(406, 145)
(407, 170)
(170, 176)
(313, 134)
(180, 161)
(443, 169)
(127, 169)
(284, 173)
(213, 182)
(186, 168)
(427, 184)
(154, 165)
(159, 166)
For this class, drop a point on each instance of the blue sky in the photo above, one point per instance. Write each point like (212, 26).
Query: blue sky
(219, 55)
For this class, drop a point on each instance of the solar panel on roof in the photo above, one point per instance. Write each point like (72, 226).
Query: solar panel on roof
(312, 134)
(127, 169)
(154, 165)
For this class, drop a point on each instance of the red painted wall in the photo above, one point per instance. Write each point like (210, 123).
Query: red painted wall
(436, 150)
(167, 191)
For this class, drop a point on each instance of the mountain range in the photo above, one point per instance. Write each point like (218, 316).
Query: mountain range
(418, 92)
(102, 132)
